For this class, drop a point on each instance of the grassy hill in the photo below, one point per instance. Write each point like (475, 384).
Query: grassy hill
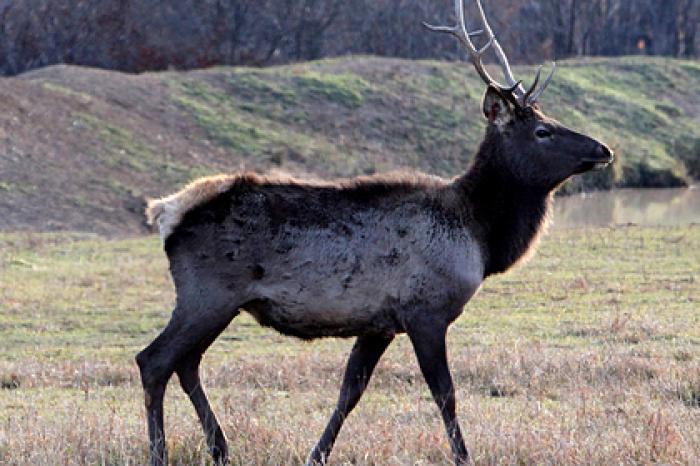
(81, 148)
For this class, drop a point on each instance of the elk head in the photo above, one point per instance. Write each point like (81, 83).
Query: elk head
(537, 150)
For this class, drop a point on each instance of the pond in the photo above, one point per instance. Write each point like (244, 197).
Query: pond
(647, 207)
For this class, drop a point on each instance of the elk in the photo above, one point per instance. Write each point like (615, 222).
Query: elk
(371, 257)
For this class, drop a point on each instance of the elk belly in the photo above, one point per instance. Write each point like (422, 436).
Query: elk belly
(363, 283)
(333, 298)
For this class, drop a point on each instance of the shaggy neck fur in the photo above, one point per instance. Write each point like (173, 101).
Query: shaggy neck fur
(508, 215)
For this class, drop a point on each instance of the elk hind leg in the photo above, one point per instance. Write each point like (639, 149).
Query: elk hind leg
(188, 372)
(184, 336)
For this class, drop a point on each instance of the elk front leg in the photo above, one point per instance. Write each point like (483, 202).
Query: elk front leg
(428, 339)
(363, 359)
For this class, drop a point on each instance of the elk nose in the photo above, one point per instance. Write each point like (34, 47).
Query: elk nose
(604, 152)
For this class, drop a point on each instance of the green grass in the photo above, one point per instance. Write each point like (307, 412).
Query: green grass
(259, 117)
(589, 353)
(123, 149)
(213, 112)
(344, 89)
(81, 97)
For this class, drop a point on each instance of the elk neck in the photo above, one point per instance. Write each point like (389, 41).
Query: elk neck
(504, 214)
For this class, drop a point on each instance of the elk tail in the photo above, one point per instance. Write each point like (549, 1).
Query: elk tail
(155, 208)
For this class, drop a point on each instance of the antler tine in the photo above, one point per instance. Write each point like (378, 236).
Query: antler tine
(536, 95)
(526, 97)
(511, 82)
(454, 30)
(464, 37)
(459, 30)
(513, 87)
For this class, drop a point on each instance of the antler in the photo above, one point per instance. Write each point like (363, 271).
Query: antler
(512, 87)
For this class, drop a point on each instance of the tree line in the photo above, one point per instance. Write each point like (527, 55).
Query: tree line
(140, 35)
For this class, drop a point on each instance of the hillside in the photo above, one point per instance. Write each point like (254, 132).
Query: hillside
(81, 148)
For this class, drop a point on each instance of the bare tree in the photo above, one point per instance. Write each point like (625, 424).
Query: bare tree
(143, 35)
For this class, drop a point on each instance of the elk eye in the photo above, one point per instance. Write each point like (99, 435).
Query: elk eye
(543, 133)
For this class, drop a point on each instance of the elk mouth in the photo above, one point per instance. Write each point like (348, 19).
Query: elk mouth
(594, 164)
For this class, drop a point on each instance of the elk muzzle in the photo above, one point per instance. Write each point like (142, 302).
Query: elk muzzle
(601, 157)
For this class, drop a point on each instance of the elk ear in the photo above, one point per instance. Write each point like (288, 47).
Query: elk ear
(496, 108)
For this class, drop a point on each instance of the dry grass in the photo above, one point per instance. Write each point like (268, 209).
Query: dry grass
(589, 354)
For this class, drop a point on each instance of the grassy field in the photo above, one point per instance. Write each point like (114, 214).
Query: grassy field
(588, 354)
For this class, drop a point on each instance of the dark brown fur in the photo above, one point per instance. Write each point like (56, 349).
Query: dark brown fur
(507, 216)
(306, 203)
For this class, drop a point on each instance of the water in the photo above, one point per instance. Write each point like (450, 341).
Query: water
(637, 206)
